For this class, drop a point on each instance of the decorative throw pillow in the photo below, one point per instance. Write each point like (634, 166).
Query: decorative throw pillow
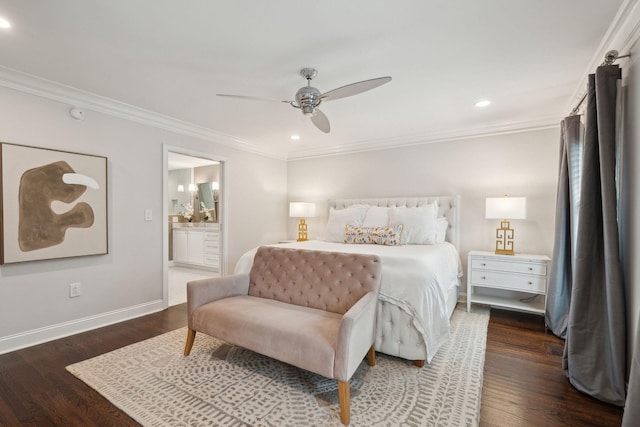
(339, 218)
(377, 216)
(389, 236)
(419, 223)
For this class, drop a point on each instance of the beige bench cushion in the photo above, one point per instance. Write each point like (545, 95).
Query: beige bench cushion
(301, 336)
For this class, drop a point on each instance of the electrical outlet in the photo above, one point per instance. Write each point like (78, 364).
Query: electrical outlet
(148, 215)
(74, 290)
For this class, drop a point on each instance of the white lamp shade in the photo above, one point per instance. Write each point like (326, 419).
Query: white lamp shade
(215, 185)
(180, 188)
(302, 210)
(193, 188)
(506, 208)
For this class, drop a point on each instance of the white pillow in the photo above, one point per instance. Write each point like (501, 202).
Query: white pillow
(339, 218)
(441, 229)
(376, 216)
(419, 224)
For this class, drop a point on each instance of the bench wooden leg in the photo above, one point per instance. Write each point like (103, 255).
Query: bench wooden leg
(371, 356)
(191, 336)
(344, 390)
(418, 363)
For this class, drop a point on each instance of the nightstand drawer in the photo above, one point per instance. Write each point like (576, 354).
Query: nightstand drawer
(518, 282)
(510, 266)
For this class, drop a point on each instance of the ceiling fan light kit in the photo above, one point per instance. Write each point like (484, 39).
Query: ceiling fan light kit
(308, 98)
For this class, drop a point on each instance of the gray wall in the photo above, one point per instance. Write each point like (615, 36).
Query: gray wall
(34, 302)
(520, 164)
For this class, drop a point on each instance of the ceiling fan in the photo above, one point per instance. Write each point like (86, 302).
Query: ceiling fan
(308, 98)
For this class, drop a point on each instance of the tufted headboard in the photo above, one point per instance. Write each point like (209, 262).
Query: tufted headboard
(448, 207)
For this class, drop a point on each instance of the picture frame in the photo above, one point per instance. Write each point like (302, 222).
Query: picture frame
(53, 204)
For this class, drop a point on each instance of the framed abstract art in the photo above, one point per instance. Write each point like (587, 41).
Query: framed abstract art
(53, 204)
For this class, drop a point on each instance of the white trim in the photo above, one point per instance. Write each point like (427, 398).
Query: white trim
(44, 88)
(72, 327)
(549, 122)
(622, 34)
(223, 217)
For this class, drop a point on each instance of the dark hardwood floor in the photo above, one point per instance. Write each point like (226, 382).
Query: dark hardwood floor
(523, 382)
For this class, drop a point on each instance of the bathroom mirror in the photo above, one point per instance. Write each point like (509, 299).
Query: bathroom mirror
(201, 174)
(207, 194)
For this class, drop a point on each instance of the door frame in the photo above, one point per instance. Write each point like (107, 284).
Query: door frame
(222, 219)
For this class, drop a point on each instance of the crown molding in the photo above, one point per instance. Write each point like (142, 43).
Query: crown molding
(621, 35)
(548, 122)
(44, 88)
(34, 85)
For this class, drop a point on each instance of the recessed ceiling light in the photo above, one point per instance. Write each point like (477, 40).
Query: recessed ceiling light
(483, 103)
(295, 137)
(4, 23)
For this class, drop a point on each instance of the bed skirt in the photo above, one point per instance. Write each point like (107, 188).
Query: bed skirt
(396, 334)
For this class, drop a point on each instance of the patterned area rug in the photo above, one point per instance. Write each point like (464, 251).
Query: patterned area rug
(224, 385)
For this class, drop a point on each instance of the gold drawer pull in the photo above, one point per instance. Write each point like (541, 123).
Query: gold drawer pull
(530, 268)
(483, 277)
(531, 283)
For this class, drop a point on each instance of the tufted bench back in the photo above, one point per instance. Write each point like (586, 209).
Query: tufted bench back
(327, 281)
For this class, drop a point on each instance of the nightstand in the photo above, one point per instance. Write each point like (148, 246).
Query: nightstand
(515, 282)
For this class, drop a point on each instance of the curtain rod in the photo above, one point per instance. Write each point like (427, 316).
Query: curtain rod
(609, 58)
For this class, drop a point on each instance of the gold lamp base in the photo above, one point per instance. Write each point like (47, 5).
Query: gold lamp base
(302, 231)
(504, 239)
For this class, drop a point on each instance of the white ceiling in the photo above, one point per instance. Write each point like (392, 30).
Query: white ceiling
(171, 57)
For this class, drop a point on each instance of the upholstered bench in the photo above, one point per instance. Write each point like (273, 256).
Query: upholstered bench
(314, 310)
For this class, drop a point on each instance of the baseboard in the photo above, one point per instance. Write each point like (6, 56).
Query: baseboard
(61, 330)
(462, 297)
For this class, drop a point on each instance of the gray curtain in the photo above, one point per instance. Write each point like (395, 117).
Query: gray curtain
(631, 416)
(595, 347)
(561, 273)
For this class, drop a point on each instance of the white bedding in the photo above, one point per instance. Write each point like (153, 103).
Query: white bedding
(415, 278)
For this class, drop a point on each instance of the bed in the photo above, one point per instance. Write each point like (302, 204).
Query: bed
(419, 288)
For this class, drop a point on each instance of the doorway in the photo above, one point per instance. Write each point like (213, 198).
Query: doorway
(194, 235)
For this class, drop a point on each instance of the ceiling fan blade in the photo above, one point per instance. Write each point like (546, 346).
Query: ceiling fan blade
(251, 98)
(320, 121)
(354, 88)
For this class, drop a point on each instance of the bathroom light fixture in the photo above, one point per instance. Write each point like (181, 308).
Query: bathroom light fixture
(4, 23)
(215, 188)
(302, 210)
(505, 208)
(483, 103)
(295, 137)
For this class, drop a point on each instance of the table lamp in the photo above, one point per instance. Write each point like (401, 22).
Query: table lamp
(302, 210)
(505, 208)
